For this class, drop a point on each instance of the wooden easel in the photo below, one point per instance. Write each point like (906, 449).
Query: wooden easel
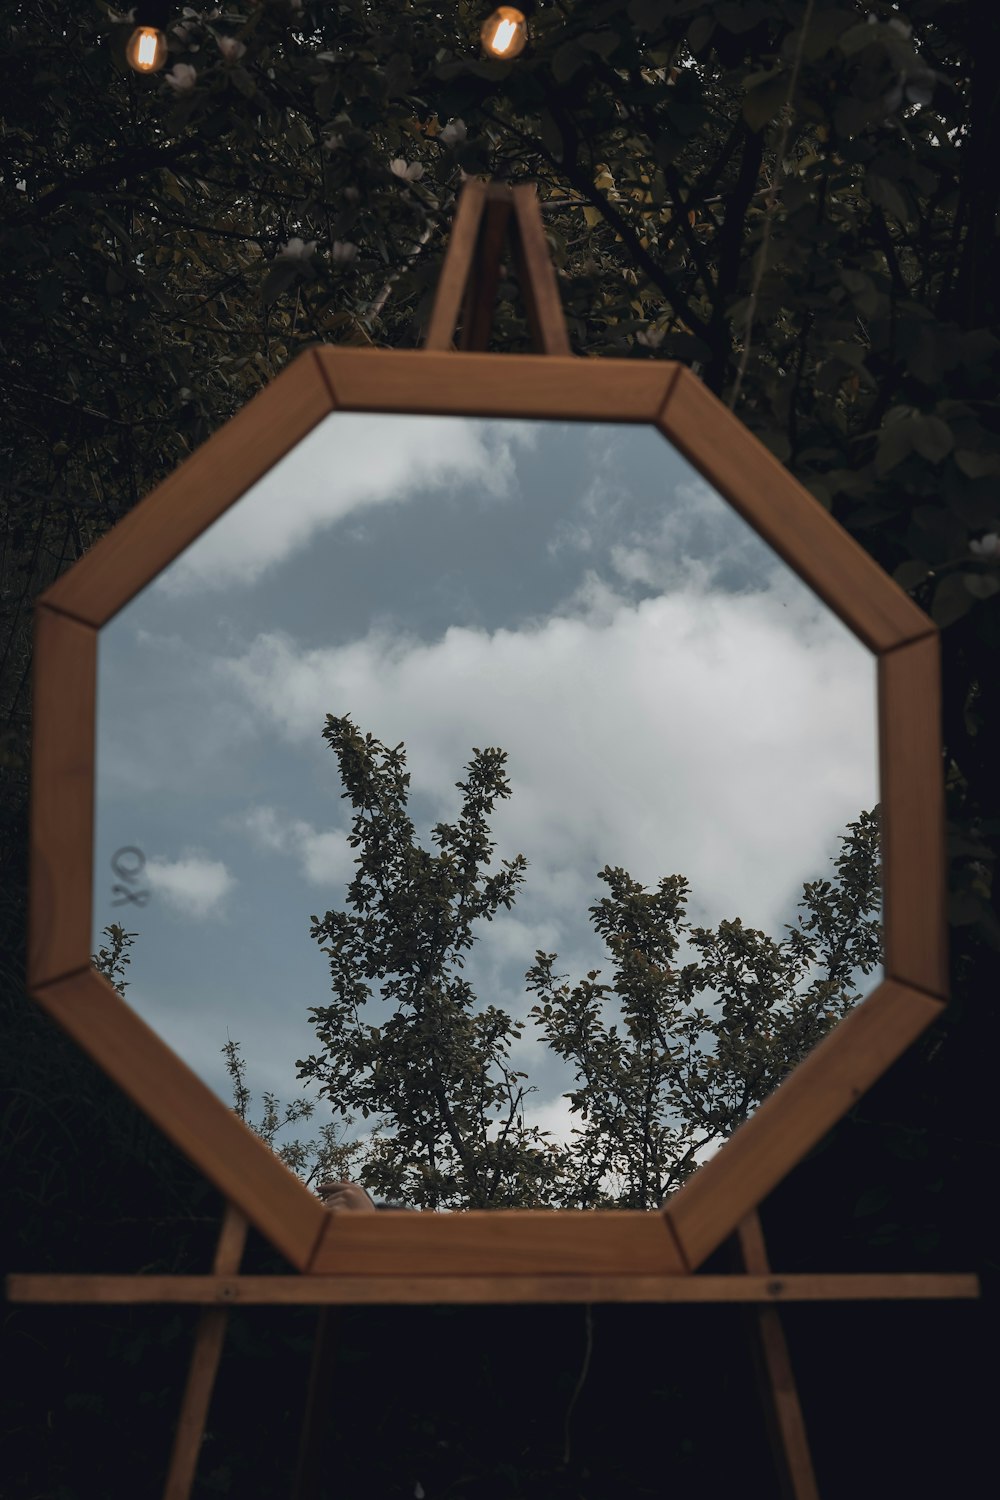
(487, 215)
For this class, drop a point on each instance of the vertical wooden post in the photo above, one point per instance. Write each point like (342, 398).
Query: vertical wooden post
(776, 1379)
(204, 1364)
(316, 1416)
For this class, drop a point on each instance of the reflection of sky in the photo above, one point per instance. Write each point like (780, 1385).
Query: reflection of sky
(671, 697)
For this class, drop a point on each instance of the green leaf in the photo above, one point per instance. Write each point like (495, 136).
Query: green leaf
(982, 585)
(911, 573)
(763, 101)
(863, 292)
(857, 38)
(567, 60)
(850, 354)
(739, 16)
(118, 230)
(493, 68)
(889, 198)
(601, 42)
(872, 1201)
(931, 437)
(699, 33)
(825, 29)
(551, 135)
(895, 442)
(951, 601)
(243, 83)
(277, 281)
(851, 116)
(647, 14)
(977, 465)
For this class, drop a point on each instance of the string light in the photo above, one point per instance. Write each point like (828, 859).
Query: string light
(505, 33)
(146, 50)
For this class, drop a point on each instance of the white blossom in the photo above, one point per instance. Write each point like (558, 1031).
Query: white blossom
(409, 173)
(297, 249)
(988, 546)
(182, 77)
(453, 132)
(231, 49)
(342, 252)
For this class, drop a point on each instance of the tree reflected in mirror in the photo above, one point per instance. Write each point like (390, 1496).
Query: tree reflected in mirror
(633, 881)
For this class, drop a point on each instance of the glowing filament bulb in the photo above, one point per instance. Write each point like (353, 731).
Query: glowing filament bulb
(503, 36)
(146, 50)
(504, 33)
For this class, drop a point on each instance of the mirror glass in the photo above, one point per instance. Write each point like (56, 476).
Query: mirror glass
(691, 755)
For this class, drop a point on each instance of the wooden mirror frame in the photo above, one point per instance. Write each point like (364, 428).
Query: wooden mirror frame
(495, 1255)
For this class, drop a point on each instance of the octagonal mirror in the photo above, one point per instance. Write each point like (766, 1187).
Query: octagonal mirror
(478, 774)
(672, 701)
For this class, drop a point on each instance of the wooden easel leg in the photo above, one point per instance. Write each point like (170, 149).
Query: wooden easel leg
(308, 1470)
(537, 273)
(786, 1426)
(204, 1364)
(458, 258)
(484, 277)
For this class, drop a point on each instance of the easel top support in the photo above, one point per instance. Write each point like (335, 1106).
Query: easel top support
(487, 213)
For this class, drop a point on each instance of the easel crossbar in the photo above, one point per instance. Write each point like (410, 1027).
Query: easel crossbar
(246, 1291)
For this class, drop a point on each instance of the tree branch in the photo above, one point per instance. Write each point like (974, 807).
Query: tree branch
(140, 161)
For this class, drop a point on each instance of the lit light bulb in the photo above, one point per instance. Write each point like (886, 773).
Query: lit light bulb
(146, 50)
(504, 33)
